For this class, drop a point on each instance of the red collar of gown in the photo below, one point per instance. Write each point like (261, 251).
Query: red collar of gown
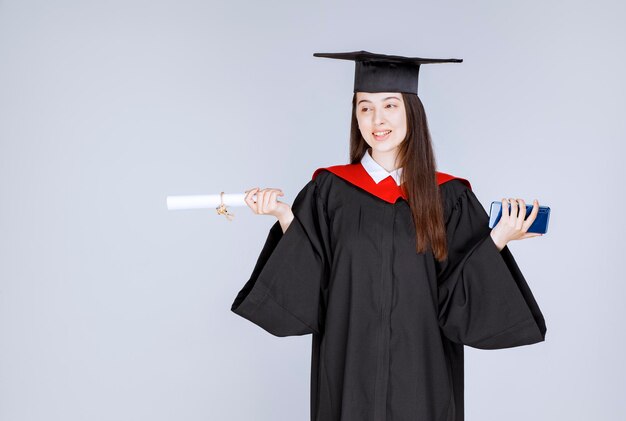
(387, 189)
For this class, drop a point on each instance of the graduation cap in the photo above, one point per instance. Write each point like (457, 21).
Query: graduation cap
(385, 73)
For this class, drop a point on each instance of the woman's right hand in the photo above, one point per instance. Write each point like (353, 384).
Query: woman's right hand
(266, 202)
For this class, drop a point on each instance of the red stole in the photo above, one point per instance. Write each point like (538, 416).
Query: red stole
(387, 189)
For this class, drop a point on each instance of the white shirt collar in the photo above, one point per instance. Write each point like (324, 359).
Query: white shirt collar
(377, 172)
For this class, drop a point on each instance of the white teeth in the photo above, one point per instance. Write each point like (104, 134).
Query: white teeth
(382, 133)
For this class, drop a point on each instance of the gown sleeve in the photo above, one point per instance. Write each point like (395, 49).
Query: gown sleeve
(283, 293)
(484, 300)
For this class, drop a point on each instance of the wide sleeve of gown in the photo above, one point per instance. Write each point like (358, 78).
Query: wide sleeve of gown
(484, 300)
(283, 294)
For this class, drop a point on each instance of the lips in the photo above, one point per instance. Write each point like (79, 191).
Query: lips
(381, 134)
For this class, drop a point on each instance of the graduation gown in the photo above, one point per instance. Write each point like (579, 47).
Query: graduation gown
(388, 324)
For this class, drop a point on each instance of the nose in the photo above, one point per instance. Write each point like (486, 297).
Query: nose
(378, 117)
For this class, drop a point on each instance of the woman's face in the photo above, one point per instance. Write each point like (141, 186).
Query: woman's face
(382, 119)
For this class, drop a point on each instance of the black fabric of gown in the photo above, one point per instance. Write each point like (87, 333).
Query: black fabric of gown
(388, 324)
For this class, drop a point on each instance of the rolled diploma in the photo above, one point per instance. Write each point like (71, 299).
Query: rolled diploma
(205, 201)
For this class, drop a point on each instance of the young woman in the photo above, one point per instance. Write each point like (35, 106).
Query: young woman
(391, 266)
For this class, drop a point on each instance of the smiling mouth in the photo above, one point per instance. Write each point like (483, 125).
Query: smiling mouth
(381, 135)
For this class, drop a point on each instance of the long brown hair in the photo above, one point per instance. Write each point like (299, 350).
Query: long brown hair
(417, 159)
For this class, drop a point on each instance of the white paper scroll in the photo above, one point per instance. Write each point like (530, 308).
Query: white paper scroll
(209, 201)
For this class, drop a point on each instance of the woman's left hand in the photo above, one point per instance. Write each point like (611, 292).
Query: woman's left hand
(512, 226)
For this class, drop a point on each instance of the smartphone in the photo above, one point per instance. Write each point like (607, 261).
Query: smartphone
(539, 225)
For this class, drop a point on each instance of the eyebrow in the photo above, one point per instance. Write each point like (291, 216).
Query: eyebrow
(385, 99)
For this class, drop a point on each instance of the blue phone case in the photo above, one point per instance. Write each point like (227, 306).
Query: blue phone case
(539, 225)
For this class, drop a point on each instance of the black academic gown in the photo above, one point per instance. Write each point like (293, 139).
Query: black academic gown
(388, 324)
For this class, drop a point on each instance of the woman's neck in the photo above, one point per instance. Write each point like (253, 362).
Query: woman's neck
(387, 160)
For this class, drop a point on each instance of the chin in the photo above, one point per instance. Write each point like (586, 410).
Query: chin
(384, 146)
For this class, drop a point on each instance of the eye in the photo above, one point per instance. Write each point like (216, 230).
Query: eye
(364, 109)
(391, 105)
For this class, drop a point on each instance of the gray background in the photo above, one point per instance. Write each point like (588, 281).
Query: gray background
(113, 308)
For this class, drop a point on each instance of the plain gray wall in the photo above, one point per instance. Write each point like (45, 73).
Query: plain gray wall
(113, 308)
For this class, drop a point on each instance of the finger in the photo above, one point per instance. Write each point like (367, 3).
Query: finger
(272, 199)
(533, 215)
(266, 199)
(277, 192)
(505, 210)
(250, 201)
(250, 192)
(513, 216)
(259, 201)
(522, 214)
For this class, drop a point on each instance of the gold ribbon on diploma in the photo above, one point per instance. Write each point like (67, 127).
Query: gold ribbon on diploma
(222, 210)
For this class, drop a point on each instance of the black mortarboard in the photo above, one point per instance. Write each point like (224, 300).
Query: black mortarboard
(385, 73)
